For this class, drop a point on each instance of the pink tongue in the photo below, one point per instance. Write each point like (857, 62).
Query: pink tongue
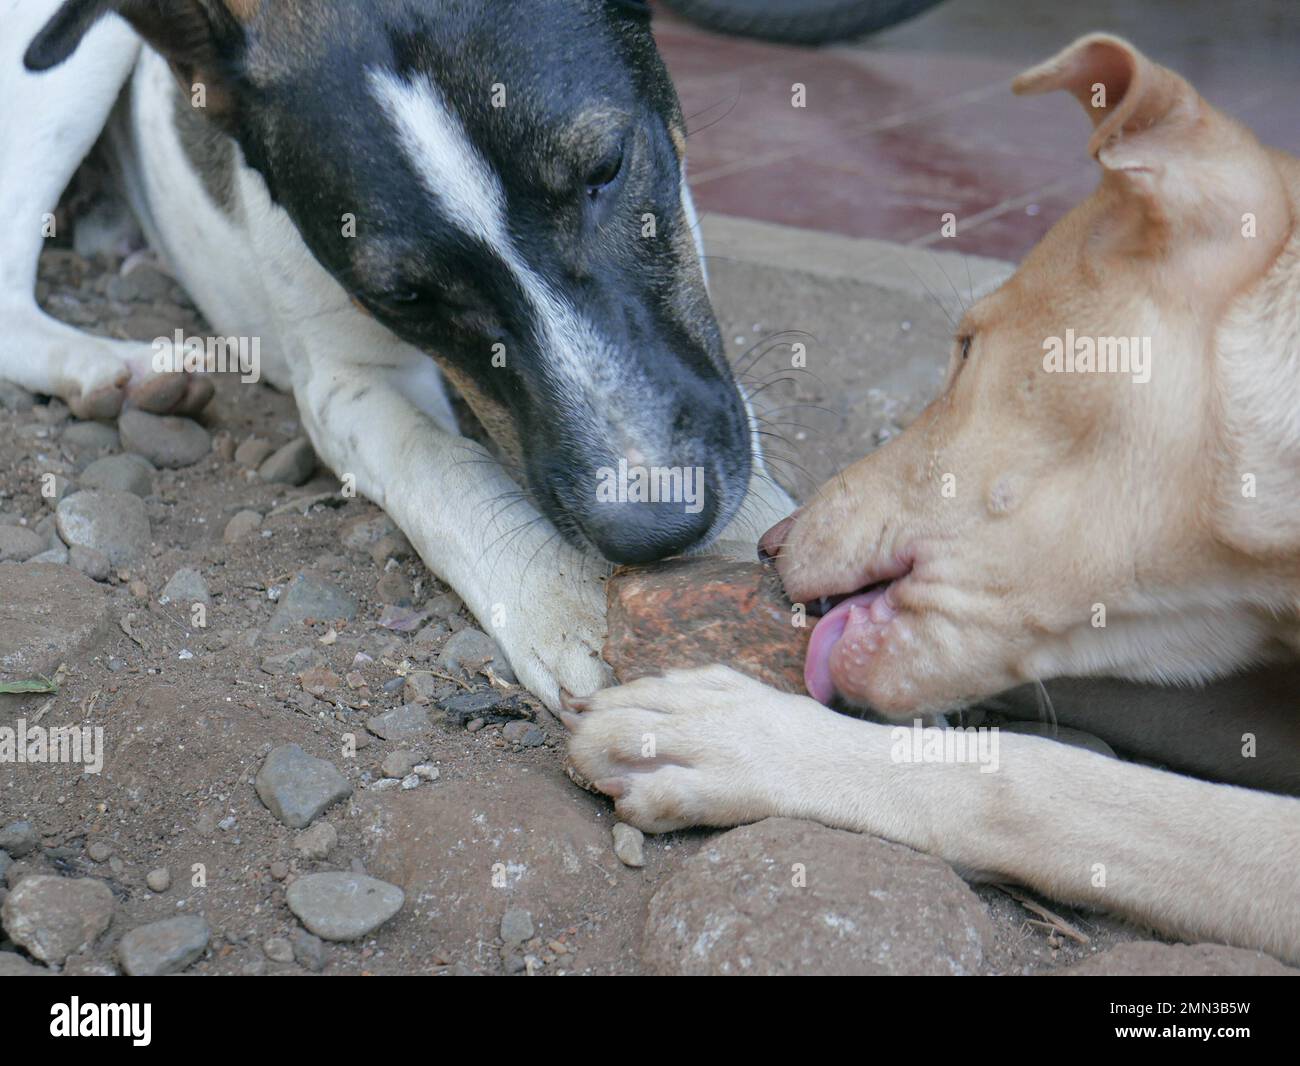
(826, 634)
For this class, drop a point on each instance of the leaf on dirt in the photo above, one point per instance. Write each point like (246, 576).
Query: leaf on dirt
(43, 684)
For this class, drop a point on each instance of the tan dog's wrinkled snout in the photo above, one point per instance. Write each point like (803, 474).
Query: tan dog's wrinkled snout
(1071, 503)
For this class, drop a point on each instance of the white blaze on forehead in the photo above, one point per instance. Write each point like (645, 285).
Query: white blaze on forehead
(446, 160)
(472, 197)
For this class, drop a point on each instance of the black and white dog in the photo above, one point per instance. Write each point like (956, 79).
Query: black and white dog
(389, 194)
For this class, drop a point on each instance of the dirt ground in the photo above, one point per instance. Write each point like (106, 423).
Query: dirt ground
(190, 713)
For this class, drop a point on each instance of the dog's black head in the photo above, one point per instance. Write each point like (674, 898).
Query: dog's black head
(514, 169)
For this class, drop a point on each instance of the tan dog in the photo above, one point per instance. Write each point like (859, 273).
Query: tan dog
(1042, 519)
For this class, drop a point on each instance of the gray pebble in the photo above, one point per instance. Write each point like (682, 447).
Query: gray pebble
(164, 947)
(99, 851)
(165, 440)
(241, 525)
(252, 452)
(18, 544)
(343, 906)
(186, 588)
(54, 917)
(525, 734)
(399, 763)
(120, 473)
(93, 436)
(144, 284)
(291, 465)
(421, 687)
(297, 787)
(309, 597)
(59, 556)
(309, 950)
(629, 844)
(278, 949)
(403, 723)
(290, 662)
(159, 880)
(516, 926)
(467, 650)
(18, 838)
(11, 963)
(113, 523)
(94, 564)
(317, 842)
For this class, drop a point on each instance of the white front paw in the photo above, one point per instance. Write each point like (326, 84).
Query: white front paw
(695, 747)
(554, 639)
(551, 664)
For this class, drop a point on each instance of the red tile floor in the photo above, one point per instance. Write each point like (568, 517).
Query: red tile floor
(919, 120)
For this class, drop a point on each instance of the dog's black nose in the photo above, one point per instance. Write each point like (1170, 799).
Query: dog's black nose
(642, 532)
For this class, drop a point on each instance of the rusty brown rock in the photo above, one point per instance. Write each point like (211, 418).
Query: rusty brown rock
(696, 612)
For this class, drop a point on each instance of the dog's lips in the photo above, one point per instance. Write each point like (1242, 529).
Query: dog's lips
(847, 635)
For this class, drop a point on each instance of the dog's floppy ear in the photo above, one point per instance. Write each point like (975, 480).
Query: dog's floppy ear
(197, 37)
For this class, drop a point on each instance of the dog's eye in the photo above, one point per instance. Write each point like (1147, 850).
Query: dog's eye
(398, 301)
(604, 175)
(965, 347)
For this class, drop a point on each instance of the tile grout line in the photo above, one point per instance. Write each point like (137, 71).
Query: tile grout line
(998, 210)
(875, 126)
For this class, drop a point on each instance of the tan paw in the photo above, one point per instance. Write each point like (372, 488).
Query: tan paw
(694, 747)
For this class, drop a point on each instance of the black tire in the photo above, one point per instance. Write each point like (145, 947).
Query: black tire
(800, 21)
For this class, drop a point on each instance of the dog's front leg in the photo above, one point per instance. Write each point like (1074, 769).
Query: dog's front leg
(711, 747)
(384, 422)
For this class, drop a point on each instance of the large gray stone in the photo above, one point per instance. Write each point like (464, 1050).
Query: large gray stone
(343, 906)
(54, 917)
(297, 787)
(162, 948)
(793, 897)
(114, 523)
